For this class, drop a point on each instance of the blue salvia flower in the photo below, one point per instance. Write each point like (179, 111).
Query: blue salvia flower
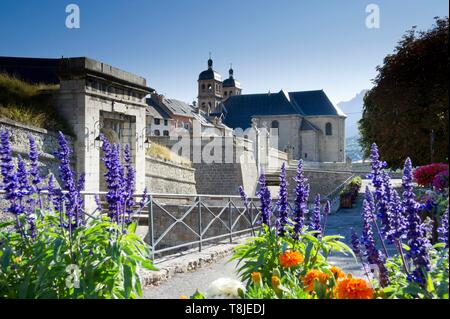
(52, 194)
(145, 198)
(443, 229)
(398, 220)
(34, 163)
(367, 234)
(381, 183)
(383, 204)
(416, 237)
(356, 244)
(368, 196)
(10, 181)
(22, 177)
(316, 218)
(129, 182)
(114, 179)
(326, 212)
(301, 200)
(373, 255)
(282, 203)
(98, 202)
(72, 198)
(244, 196)
(266, 200)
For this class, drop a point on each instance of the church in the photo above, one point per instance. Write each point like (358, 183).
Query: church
(307, 124)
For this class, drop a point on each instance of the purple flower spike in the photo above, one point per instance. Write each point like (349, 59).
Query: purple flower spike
(301, 200)
(443, 230)
(316, 217)
(416, 237)
(282, 204)
(266, 200)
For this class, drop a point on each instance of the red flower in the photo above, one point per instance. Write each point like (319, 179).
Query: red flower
(424, 175)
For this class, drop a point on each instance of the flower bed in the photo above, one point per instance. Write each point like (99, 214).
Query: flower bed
(50, 249)
(289, 259)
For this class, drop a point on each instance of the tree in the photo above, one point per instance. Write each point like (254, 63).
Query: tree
(406, 112)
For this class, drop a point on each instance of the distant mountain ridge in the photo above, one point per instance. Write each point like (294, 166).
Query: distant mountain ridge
(353, 109)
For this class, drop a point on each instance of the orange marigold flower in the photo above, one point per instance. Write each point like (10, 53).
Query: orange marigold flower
(291, 259)
(308, 279)
(353, 288)
(337, 272)
(184, 297)
(275, 281)
(256, 278)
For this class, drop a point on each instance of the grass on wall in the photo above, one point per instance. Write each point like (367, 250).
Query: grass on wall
(162, 152)
(30, 104)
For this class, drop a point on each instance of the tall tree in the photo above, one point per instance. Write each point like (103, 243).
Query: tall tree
(406, 112)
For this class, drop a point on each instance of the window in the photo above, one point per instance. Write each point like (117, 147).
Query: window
(209, 87)
(203, 87)
(328, 129)
(231, 92)
(157, 121)
(157, 133)
(275, 124)
(166, 133)
(166, 122)
(225, 93)
(306, 155)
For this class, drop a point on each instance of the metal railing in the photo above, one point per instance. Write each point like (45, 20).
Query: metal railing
(205, 217)
(198, 219)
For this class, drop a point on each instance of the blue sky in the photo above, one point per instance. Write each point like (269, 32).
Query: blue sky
(290, 44)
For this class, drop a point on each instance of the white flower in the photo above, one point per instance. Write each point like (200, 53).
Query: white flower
(224, 288)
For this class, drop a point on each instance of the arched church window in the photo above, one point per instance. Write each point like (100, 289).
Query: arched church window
(203, 87)
(209, 87)
(225, 93)
(275, 124)
(157, 133)
(328, 129)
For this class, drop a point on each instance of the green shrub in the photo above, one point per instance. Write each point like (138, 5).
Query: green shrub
(100, 261)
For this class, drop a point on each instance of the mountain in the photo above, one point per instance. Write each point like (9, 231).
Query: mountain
(353, 110)
(353, 149)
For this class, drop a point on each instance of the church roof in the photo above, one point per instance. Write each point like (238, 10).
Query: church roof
(241, 108)
(210, 74)
(231, 82)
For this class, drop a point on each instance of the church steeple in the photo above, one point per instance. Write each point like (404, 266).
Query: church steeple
(230, 85)
(230, 72)
(209, 89)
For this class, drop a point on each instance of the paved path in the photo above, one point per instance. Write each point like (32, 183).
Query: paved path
(339, 223)
(188, 283)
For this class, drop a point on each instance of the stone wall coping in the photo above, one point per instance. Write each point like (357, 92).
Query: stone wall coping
(4, 120)
(147, 157)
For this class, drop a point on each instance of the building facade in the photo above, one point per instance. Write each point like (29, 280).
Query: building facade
(304, 124)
